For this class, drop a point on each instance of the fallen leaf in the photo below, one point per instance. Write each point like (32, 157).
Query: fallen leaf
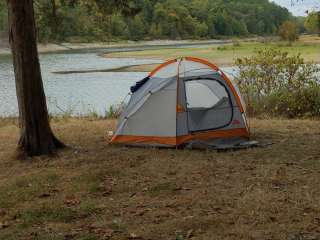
(132, 195)
(134, 236)
(107, 192)
(45, 195)
(2, 212)
(189, 234)
(72, 202)
(4, 225)
(141, 212)
(70, 236)
(107, 234)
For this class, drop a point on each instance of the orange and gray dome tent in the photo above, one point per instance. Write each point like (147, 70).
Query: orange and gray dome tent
(184, 101)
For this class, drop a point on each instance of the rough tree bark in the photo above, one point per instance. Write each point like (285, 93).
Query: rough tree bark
(36, 135)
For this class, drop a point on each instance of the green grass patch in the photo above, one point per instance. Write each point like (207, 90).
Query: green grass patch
(226, 54)
(119, 226)
(26, 188)
(163, 188)
(89, 183)
(89, 208)
(47, 213)
(54, 211)
(93, 181)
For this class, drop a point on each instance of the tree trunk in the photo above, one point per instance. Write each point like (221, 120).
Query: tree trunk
(55, 22)
(36, 135)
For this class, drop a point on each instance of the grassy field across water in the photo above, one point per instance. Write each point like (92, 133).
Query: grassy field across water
(98, 191)
(224, 55)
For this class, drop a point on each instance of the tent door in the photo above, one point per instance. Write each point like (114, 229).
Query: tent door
(209, 105)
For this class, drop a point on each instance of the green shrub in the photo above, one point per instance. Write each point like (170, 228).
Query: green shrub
(114, 111)
(284, 103)
(236, 43)
(222, 48)
(276, 84)
(288, 31)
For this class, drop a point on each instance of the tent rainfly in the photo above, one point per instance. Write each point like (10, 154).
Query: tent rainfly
(184, 102)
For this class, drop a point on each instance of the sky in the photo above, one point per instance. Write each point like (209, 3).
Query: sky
(300, 6)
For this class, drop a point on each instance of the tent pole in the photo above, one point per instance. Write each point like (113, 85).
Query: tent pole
(177, 101)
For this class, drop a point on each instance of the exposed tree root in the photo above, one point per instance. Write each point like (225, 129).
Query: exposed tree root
(25, 150)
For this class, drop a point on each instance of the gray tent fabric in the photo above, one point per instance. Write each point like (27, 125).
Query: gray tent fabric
(184, 101)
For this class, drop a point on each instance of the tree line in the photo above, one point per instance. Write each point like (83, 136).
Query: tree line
(92, 20)
(3, 19)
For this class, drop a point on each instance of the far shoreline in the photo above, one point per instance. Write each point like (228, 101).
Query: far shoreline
(222, 52)
(120, 46)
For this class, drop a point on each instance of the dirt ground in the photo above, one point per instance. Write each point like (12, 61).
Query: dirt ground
(96, 191)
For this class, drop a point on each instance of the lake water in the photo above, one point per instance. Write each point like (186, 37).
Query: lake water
(79, 93)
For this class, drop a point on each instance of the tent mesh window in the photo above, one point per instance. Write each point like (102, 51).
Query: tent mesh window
(209, 105)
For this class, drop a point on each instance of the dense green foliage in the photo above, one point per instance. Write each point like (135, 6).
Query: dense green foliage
(277, 84)
(3, 18)
(312, 23)
(61, 20)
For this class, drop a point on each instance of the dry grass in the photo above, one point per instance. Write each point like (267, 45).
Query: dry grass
(95, 191)
(225, 55)
(309, 39)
